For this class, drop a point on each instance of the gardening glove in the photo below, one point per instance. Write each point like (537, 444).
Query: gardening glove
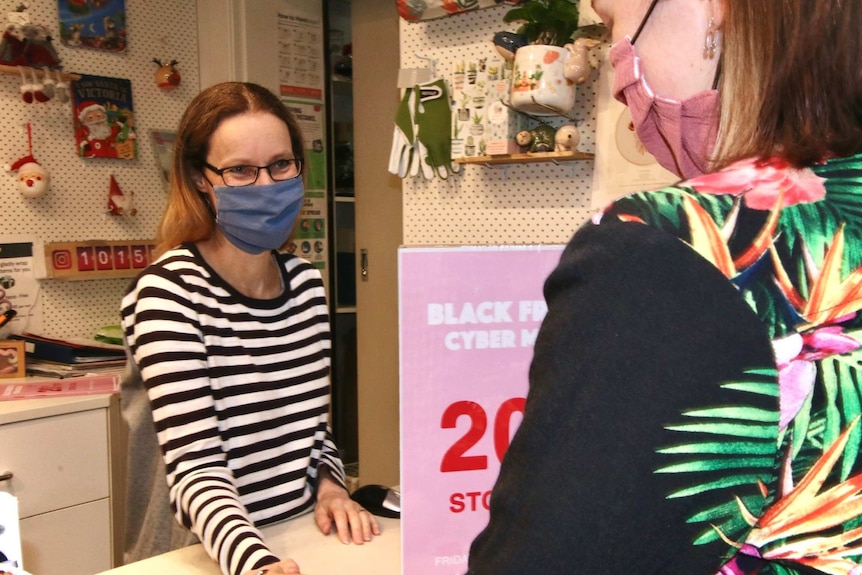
(432, 119)
(402, 157)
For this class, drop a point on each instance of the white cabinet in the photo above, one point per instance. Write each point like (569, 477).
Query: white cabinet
(60, 464)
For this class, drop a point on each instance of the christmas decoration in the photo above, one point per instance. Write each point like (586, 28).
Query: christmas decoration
(61, 89)
(120, 203)
(104, 117)
(97, 24)
(24, 43)
(167, 76)
(33, 179)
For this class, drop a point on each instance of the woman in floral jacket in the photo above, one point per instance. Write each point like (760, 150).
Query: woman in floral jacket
(696, 389)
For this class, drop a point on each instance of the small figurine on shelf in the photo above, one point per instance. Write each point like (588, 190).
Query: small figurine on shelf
(578, 67)
(120, 203)
(33, 179)
(567, 139)
(538, 139)
(167, 76)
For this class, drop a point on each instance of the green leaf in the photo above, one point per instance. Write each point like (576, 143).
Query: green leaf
(732, 429)
(736, 412)
(754, 503)
(723, 448)
(551, 22)
(726, 453)
(723, 483)
(769, 389)
(802, 425)
(731, 526)
(714, 464)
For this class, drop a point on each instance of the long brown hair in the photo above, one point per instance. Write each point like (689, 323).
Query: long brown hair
(791, 80)
(188, 216)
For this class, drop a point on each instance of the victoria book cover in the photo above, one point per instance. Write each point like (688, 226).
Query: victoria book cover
(104, 118)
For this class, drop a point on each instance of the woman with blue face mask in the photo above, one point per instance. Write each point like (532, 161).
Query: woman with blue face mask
(694, 403)
(229, 350)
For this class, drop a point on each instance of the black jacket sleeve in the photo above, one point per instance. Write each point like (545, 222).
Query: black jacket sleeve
(639, 329)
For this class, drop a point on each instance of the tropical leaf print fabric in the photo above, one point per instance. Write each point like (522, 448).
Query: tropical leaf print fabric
(790, 241)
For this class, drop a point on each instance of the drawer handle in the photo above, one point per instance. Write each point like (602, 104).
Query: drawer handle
(6, 476)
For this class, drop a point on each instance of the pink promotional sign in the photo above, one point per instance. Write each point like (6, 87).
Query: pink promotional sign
(468, 320)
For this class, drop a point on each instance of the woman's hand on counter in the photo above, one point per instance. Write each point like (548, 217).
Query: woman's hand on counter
(283, 567)
(334, 505)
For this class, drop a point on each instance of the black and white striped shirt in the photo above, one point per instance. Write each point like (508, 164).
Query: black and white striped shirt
(239, 390)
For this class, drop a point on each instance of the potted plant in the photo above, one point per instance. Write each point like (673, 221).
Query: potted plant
(547, 31)
(457, 142)
(459, 74)
(463, 110)
(546, 22)
(477, 129)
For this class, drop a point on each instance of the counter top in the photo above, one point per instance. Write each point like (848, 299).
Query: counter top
(300, 540)
(24, 409)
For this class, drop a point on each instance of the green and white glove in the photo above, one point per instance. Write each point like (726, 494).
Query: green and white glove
(402, 158)
(432, 119)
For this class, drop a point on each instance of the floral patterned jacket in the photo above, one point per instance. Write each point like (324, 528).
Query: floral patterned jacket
(675, 426)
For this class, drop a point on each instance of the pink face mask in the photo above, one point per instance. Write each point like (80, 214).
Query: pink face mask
(680, 134)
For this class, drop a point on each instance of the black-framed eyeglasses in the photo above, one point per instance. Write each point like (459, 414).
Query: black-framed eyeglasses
(239, 176)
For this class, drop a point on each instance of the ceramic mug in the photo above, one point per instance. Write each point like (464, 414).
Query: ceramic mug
(539, 83)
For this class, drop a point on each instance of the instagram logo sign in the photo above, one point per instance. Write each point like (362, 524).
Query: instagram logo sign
(61, 259)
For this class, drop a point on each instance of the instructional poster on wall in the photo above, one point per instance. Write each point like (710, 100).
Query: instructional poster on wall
(622, 163)
(310, 239)
(465, 349)
(301, 84)
(301, 72)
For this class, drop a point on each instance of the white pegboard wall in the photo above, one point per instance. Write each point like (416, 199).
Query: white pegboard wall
(75, 207)
(513, 204)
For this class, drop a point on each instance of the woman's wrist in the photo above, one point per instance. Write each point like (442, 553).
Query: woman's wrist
(326, 480)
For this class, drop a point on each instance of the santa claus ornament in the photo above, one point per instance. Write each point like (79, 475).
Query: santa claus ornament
(33, 179)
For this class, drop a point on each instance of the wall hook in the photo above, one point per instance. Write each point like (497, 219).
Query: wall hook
(432, 63)
(538, 118)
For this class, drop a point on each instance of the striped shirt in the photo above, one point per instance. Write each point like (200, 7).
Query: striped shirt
(239, 390)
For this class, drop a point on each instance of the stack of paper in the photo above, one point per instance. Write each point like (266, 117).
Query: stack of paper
(70, 357)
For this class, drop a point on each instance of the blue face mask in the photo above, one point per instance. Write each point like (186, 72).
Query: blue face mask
(258, 218)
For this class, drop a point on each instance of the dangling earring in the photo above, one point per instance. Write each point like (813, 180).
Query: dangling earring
(711, 41)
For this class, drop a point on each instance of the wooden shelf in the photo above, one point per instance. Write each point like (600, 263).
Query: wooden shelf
(13, 71)
(526, 158)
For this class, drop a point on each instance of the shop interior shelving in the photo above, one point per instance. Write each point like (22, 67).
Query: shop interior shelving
(526, 158)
